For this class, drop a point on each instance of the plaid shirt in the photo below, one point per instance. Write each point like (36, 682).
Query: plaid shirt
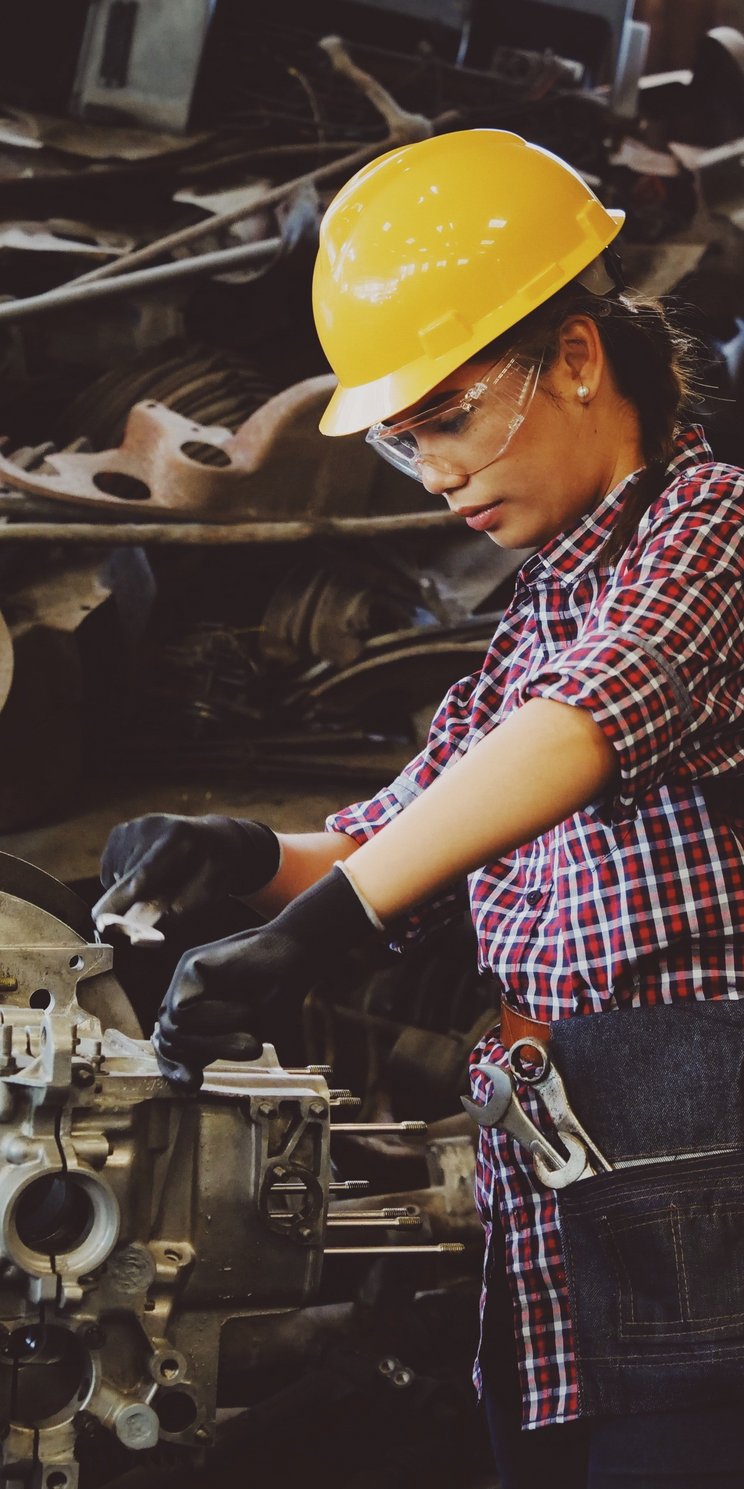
(636, 899)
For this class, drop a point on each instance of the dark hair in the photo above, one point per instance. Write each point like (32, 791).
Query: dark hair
(655, 364)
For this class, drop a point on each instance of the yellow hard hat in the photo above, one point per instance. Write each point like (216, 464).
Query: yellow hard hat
(433, 250)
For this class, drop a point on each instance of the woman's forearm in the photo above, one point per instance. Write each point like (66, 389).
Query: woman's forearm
(306, 857)
(547, 761)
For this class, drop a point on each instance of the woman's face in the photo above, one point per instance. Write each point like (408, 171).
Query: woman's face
(566, 454)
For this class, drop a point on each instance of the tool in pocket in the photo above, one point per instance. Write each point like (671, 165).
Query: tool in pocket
(503, 1109)
(537, 1070)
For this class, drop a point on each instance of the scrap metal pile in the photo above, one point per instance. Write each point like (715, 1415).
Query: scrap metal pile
(243, 598)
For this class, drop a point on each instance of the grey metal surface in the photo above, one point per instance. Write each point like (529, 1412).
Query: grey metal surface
(135, 64)
(134, 1223)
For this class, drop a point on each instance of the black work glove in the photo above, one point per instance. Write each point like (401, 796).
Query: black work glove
(226, 999)
(184, 863)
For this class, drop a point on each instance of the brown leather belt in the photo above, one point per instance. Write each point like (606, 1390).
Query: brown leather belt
(516, 1026)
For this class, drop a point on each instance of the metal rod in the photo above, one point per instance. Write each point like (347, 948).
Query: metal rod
(136, 534)
(402, 1222)
(380, 1129)
(445, 1248)
(346, 1101)
(389, 1212)
(341, 1186)
(142, 279)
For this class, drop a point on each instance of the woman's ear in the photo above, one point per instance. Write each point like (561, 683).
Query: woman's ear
(581, 358)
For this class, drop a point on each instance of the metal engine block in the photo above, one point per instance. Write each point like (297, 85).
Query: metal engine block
(133, 1222)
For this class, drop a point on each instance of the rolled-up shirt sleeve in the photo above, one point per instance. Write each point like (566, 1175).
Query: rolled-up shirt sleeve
(659, 662)
(448, 737)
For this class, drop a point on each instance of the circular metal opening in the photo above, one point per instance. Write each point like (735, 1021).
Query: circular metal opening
(40, 998)
(54, 1215)
(176, 1410)
(43, 1371)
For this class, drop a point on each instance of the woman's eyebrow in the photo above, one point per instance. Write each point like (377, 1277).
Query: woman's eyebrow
(448, 395)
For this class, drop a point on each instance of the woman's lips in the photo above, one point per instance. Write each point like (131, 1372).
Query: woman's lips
(480, 518)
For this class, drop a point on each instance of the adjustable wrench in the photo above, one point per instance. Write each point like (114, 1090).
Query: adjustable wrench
(503, 1110)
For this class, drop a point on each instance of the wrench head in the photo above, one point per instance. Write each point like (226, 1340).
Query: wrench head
(577, 1166)
(489, 1113)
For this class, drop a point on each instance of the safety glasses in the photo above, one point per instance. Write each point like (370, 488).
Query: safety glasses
(463, 431)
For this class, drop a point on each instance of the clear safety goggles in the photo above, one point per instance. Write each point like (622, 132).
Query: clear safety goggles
(464, 431)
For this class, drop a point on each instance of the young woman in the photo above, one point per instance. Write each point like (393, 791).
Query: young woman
(470, 303)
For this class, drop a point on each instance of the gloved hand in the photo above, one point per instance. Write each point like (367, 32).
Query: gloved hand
(184, 863)
(227, 998)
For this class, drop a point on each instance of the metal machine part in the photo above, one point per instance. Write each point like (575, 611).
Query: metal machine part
(134, 1222)
(133, 65)
(169, 463)
(202, 383)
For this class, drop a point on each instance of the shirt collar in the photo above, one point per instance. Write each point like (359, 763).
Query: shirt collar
(571, 553)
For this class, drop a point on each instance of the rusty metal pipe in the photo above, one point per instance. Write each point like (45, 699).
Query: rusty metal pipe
(138, 534)
(71, 295)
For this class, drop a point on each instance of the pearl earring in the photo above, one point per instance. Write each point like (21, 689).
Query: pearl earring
(582, 391)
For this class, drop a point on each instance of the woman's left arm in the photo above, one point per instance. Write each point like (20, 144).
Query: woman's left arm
(545, 762)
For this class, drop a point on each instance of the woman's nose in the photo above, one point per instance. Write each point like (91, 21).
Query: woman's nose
(436, 481)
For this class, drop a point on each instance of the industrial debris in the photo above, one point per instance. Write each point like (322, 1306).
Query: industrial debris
(188, 421)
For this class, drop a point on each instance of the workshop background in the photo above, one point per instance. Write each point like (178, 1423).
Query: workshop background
(206, 606)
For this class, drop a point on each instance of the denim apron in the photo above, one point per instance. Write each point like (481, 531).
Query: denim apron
(654, 1251)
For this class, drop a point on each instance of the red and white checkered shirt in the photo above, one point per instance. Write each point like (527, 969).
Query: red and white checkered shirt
(637, 899)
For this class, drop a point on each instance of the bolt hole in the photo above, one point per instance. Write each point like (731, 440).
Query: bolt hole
(169, 1369)
(40, 998)
(203, 453)
(77, 963)
(56, 1480)
(172, 1256)
(118, 483)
